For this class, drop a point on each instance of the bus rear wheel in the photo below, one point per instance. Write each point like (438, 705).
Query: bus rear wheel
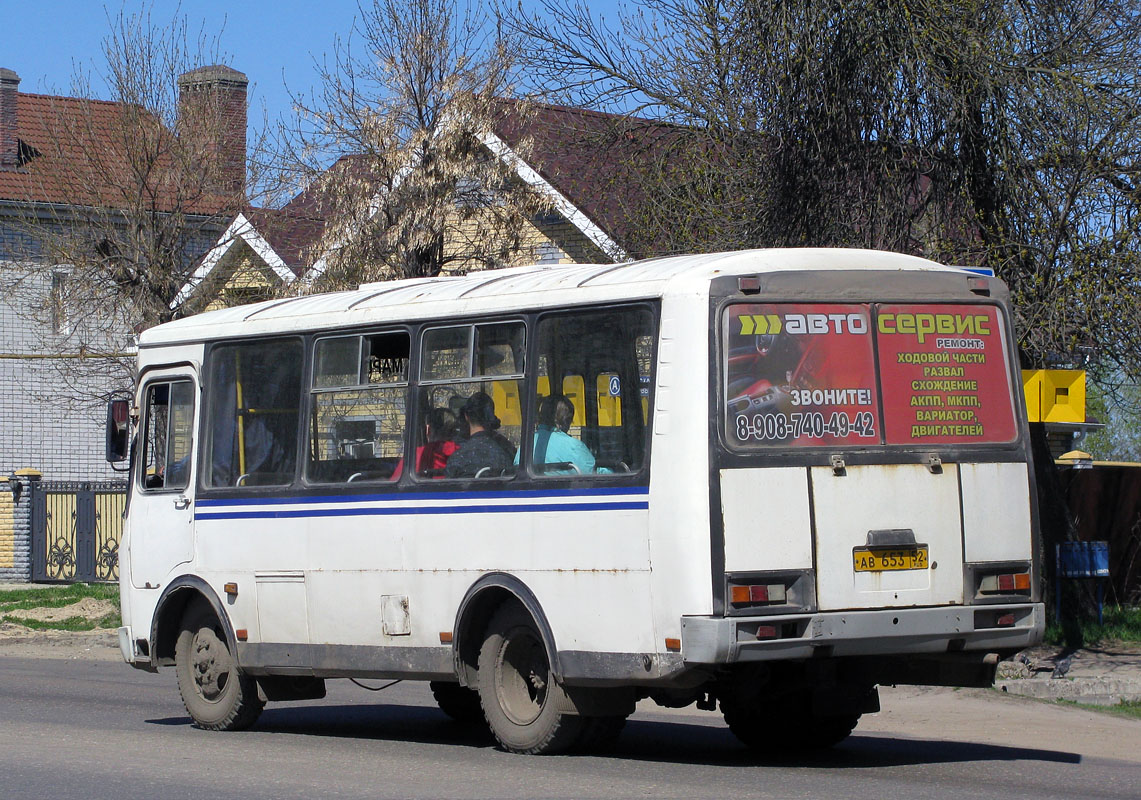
(216, 694)
(786, 725)
(523, 704)
(458, 702)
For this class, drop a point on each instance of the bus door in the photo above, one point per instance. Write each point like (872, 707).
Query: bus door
(162, 507)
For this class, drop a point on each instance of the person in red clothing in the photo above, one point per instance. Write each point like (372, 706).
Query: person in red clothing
(432, 457)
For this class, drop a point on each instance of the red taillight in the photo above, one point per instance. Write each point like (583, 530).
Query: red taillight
(758, 593)
(1006, 620)
(1008, 582)
(767, 632)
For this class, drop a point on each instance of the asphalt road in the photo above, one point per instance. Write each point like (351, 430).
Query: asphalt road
(98, 729)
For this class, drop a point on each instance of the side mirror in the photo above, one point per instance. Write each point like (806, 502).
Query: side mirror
(118, 430)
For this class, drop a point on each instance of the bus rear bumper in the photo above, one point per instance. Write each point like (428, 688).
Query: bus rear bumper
(893, 631)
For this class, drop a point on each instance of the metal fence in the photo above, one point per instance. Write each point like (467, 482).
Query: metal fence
(76, 528)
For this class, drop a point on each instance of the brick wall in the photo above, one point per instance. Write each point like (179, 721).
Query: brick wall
(16, 527)
(43, 422)
(7, 529)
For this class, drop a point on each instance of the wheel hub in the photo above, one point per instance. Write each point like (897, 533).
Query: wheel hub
(522, 679)
(210, 665)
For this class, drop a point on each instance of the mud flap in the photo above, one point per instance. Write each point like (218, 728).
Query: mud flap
(289, 687)
(592, 702)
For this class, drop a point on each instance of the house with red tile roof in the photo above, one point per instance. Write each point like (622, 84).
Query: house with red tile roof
(67, 164)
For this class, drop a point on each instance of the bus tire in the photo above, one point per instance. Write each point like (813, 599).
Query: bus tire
(523, 704)
(600, 733)
(216, 693)
(458, 702)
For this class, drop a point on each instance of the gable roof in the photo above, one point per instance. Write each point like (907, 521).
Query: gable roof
(591, 158)
(578, 159)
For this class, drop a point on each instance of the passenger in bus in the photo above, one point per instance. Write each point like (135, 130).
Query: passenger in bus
(487, 452)
(432, 457)
(553, 442)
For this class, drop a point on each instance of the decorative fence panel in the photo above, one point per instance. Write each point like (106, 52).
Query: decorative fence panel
(76, 528)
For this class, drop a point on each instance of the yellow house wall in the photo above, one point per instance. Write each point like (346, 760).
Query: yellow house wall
(7, 527)
(567, 242)
(238, 272)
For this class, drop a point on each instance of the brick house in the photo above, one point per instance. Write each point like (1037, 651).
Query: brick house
(59, 157)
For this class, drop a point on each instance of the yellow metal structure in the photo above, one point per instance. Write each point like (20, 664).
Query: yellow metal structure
(1055, 395)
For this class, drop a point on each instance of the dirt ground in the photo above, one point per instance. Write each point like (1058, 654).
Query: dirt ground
(101, 643)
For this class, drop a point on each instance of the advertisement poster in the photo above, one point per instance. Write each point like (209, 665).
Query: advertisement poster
(944, 374)
(800, 374)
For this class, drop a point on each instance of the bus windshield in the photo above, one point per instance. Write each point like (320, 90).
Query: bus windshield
(824, 374)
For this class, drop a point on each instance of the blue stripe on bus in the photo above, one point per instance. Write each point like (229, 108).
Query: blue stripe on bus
(397, 496)
(405, 510)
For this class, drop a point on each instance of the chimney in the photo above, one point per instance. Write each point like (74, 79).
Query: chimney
(212, 110)
(9, 142)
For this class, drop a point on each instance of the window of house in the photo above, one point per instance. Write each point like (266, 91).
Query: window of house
(57, 301)
(358, 410)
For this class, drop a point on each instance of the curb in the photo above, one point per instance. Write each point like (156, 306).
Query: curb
(1092, 691)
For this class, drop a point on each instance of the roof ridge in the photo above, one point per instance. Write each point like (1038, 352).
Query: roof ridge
(70, 99)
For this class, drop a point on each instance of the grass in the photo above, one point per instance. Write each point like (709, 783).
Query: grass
(56, 596)
(13, 601)
(69, 624)
(1120, 624)
(1131, 709)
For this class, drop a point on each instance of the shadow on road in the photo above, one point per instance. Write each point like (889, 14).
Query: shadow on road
(642, 740)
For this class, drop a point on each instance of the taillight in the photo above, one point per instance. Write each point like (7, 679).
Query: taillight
(1005, 583)
(768, 632)
(758, 594)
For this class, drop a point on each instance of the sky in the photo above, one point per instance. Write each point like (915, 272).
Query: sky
(274, 42)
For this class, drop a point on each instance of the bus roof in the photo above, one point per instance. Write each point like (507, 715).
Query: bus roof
(510, 289)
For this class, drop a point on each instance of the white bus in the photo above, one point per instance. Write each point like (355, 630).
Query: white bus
(767, 480)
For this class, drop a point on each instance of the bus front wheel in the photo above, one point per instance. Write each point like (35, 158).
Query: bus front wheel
(523, 704)
(216, 694)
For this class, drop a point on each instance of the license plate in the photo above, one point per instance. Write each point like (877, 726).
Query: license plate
(867, 560)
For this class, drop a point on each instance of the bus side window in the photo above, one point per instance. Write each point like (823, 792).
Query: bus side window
(255, 396)
(471, 381)
(169, 414)
(597, 424)
(356, 432)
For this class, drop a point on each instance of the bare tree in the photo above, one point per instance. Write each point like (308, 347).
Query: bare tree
(995, 132)
(988, 132)
(123, 196)
(402, 115)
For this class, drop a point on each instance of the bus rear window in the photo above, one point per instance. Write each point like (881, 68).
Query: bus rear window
(825, 374)
(800, 374)
(944, 374)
